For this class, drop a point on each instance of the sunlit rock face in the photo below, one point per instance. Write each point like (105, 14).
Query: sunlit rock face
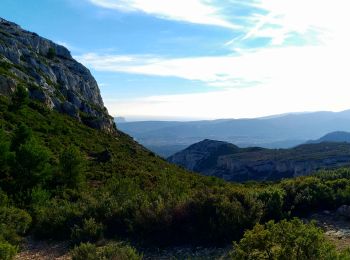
(51, 75)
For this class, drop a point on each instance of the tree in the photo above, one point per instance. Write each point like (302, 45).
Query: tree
(22, 135)
(32, 166)
(20, 97)
(72, 167)
(6, 157)
(284, 240)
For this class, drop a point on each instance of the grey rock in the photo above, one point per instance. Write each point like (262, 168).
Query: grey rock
(7, 85)
(227, 161)
(70, 109)
(63, 83)
(344, 211)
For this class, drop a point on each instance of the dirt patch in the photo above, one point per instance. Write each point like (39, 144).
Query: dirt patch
(43, 250)
(336, 228)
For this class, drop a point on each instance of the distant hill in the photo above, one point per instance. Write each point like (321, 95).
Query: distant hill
(227, 161)
(337, 136)
(280, 131)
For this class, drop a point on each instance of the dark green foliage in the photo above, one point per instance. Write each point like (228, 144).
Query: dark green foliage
(71, 168)
(51, 54)
(7, 251)
(285, 240)
(21, 135)
(119, 251)
(20, 97)
(87, 251)
(89, 231)
(13, 223)
(6, 157)
(273, 201)
(32, 166)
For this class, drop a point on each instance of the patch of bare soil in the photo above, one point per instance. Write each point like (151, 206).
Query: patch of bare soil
(43, 250)
(337, 228)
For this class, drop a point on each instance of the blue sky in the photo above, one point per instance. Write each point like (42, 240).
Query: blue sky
(202, 59)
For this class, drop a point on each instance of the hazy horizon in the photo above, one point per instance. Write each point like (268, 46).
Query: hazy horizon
(188, 119)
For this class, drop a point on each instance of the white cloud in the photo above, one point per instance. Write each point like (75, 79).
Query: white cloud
(325, 18)
(193, 11)
(282, 78)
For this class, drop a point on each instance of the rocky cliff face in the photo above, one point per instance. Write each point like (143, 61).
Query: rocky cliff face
(51, 75)
(231, 163)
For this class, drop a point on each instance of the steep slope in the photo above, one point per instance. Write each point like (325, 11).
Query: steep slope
(280, 131)
(51, 75)
(243, 164)
(338, 136)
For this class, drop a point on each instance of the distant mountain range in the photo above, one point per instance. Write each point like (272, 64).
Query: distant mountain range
(337, 136)
(280, 131)
(228, 161)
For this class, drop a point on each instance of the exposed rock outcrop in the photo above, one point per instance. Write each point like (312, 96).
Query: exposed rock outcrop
(227, 161)
(51, 75)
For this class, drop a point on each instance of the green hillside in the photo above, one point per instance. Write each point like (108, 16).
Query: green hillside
(62, 180)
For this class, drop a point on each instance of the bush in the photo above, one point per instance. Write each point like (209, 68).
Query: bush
(284, 240)
(89, 232)
(118, 251)
(72, 168)
(7, 251)
(85, 251)
(13, 223)
(20, 98)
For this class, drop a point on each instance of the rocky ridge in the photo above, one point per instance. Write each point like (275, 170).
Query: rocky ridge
(51, 76)
(227, 161)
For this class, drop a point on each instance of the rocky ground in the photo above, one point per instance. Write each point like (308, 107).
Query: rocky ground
(336, 227)
(37, 250)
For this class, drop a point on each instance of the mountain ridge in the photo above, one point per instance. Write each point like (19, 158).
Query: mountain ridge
(256, 163)
(282, 131)
(51, 75)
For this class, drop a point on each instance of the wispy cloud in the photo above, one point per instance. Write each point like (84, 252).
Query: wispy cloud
(303, 66)
(193, 11)
(281, 66)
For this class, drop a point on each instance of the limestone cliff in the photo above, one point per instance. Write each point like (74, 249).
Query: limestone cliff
(51, 75)
(227, 161)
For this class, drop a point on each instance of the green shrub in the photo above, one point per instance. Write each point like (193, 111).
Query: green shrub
(284, 240)
(85, 251)
(7, 251)
(13, 224)
(72, 168)
(117, 251)
(20, 97)
(90, 231)
(51, 53)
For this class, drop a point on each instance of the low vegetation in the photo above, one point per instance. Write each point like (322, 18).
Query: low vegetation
(62, 180)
